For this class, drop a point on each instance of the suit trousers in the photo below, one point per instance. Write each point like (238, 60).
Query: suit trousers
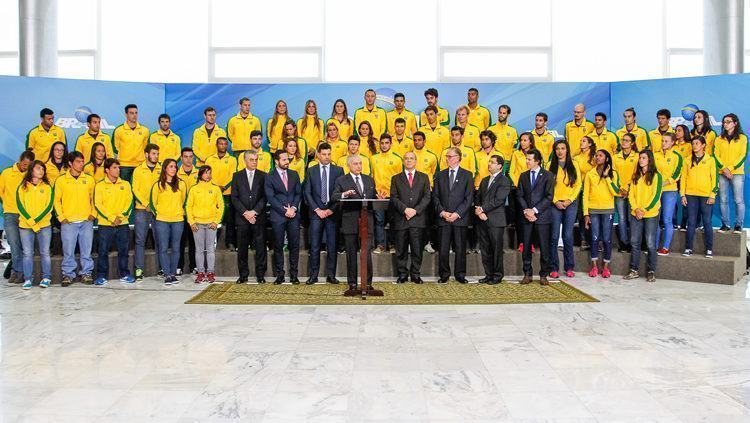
(543, 232)
(352, 244)
(491, 245)
(456, 235)
(409, 240)
(246, 233)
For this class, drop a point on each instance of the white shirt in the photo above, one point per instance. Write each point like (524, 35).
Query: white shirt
(250, 173)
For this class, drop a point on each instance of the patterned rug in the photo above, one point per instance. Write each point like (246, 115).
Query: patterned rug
(508, 292)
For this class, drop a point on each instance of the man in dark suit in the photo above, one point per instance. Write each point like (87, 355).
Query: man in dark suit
(536, 188)
(318, 190)
(249, 201)
(284, 193)
(490, 211)
(410, 197)
(453, 197)
(360, 186)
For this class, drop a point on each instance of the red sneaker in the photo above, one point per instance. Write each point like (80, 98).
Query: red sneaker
(200, 278)
(663, 252)
(594, 272)
(211, 277)
(554, 275)
(570, 274)
(606, 273)
(520, 247)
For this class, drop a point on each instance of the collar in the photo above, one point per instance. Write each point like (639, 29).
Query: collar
(249, 115)
(354, 177)
(455, 169)
(407, 172)
(635, 127)
(127, 126)
(280, 171)
(107, 181)
(41, 128)
(583, 122)
(537, 169)
(160, 132)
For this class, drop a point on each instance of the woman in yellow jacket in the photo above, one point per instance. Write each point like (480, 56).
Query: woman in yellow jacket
(95, 166)
(167, 201)
(644, 196)
(683, 144)
(517, 167)
(730, 152)
(565, 200)
(702, 126)
(586, 161)
(204, 209)
(669, 165)
(297, 162)
(35, 198)
(311, 127)
(698, 189)
(275, 126)
(600, 187)
(625, 162)
(57, 162)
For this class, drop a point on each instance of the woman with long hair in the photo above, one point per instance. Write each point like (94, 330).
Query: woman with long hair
(586, 160)
(204, 209)
(95, 166)
(275, 126)
(297, 162)
(730, 151)
(669, 165)
(340, 117)
(368, 145)
(35, 197)
(644, 196)
(698, 189)
(683, 144)
(336, 141)
(599, 189)
(625, 162)
(565, 201)
(290, 132)
(167, 203)
(517, 167)
(57, 162)
(702, 126)
(311, 127)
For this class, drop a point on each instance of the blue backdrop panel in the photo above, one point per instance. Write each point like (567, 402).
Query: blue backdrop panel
(718, 95)
(71, 100)
(185, 102)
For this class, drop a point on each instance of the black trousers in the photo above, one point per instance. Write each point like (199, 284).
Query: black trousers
(230, 231)
(245, 233)
(187, 240)
(352, 244)
(456, 235)
(409, 240)
(544, 245)
(290, 228)
(491, 245)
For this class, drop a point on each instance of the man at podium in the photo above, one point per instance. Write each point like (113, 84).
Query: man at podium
(355, 185)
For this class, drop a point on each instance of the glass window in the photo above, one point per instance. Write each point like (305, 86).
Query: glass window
(76, 66)
(9, 65)
(685, 64)
(684, 21)
(8, 26)
(77, 24)
(495, 64)
(267, 65)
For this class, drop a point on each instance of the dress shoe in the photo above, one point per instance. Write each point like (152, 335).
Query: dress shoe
(462, 280)
(493, 281)
(279, 280)
(401, 279)
(443, 280)
(332, 280)
(543, 281)
(294, 280)
(260, 279)
(417, 280)
(526, 280)
(311, 281)
(485, 279)
(239, 281)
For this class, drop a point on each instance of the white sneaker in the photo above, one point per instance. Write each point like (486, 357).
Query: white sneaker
(428, 248)
(709, 254)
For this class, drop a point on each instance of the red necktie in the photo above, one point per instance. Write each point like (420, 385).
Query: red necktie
(411, 179)
(283, 179)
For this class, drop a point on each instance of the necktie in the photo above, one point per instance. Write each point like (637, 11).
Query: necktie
(284, 180)
(250, 180)
(450, 179)
(492, 179)
(411, 179)
(324, 186)
(359, 186)
(533, 178)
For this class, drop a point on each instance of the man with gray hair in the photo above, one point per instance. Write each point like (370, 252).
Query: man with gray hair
(249, 201)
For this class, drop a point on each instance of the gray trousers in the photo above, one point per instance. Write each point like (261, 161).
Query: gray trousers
(205, 241)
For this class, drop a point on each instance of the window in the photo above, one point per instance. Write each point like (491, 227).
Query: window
(684, 37)
(9, 38)
(77, 38)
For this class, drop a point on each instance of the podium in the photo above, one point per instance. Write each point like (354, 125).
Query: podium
(364, 234)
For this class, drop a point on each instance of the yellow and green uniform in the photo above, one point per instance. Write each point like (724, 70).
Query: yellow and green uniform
(98, 173)
(731, 154)
(517, 166)
(642, 141)
(346, 128)
(437, 139)
(222, 170)
(583, 162)
(443, 117)
(143, 179)
(604, 141)
(468, 159)
(710, 137)
(483, 159)
(74, 197)
(54, 172)
(686, 149)
(507, 138)
(341, 162)
(205, 145)
(311, 133)
(564, 191)
(85, 141)
(167, 205)
(669, 165)
(40, 140)
(700, 179)
(170, 145)
(655, 136)
(265, 161)
(35, 204)
(408, 116)
(471, 137)
(427, 162)
(299, 165)
(599, 193)
(302, 146)
(130, 143)
(574, 132)
(190, 179)
(376, 117)
(205, 204)
(10, 178)
(625, 167)
(480, 117)
(646, 197)
(364, 148)
(403, 146)
(338, 149)
(384, 166)
(275, 133)
(239, 129)
(545, 143)
(113, 200)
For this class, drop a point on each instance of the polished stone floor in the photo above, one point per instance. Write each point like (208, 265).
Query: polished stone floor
(664, 352)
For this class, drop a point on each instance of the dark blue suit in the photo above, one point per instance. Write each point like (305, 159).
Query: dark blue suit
(279, 197)
(322, 227)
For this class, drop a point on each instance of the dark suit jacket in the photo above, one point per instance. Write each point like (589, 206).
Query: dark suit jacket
(416, 197)
(246, 198)
(539, 197)
(458, 200)
(280, 197)
(350, 210)
(492, 200)
(311, 188)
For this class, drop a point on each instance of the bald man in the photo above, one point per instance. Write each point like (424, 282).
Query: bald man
(577, 128)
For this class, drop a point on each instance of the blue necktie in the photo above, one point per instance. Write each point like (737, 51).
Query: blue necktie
(324, 187)
(533, 178)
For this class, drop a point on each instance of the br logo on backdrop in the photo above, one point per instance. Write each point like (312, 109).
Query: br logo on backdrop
(688, 113)
(79, 120)
(384, 98)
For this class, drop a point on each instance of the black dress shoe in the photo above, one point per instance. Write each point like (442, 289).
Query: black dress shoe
(443, 280)
(294, 280)
(462, 280)
(241, 280)
(311, 281)
(278, 281)
(332, 280)
(261, 279)
(418, 281)
(493, 281)
(401, 279)
(485, 280)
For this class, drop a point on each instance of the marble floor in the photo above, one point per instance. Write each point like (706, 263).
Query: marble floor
(664, 352)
